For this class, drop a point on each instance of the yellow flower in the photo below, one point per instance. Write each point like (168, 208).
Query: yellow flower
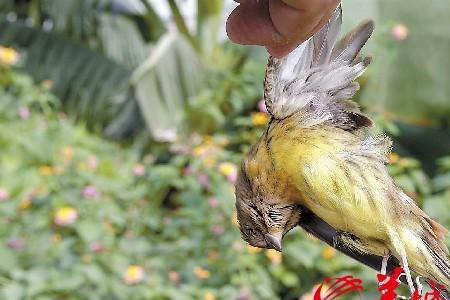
(25, 203)
(47, 83)
(209, 296)
(259, 118)
(274, 256)
(56, 238)
(46, 170)
(86, 258)
(393, 157)
(200, 150)
(65, 216)
(133, 275)
(207, 139)
(8, 56)
(227, 168)
(67, 152)
(107, 224)
(223, 141)
(201, 273)
(209, 161)
(328, 252)
(253, 250)
(40, 190)
(406, 162)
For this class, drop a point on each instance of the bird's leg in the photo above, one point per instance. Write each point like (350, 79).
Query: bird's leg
(419, 290)
(419, 285)
(383, 269)
(400, 249)
(408, 274)
(384, 264)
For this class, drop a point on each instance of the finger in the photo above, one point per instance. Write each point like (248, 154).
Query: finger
(282, 50)
(250, 23)
(298, 24)
(311, 6)
(279, 25)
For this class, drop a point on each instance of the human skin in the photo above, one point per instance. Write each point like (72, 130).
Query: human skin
(278, 25)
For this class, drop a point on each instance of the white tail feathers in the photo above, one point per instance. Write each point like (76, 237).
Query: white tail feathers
(319, 73)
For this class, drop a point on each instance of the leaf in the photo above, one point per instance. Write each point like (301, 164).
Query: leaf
(12, 291)
(303, 253)
(93, 273)
(421, 181)
(90, 86)
(8, 260)
(437, 207)
(67, 281)
(164, 83)
(441, 182)
(89, 231)
(117, 33)
(209, 21)
(405, 182)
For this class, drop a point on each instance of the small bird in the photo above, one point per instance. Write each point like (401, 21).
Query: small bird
(318, 153)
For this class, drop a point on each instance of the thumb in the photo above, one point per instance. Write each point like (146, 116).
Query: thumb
(250, 24)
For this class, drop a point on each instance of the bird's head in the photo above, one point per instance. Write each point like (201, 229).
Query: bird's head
(263, 218)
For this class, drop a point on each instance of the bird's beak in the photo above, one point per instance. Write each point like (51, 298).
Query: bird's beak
(274, 240)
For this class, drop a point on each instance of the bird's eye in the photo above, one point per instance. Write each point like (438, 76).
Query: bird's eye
(275, 215)
(252, 232)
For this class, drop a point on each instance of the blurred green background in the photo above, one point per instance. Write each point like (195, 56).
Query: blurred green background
(121, 129)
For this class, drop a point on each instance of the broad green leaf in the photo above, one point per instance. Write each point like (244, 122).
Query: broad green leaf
(12, 291)
(165, 82)
(89, 231)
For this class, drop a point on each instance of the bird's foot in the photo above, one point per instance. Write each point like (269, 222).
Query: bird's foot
(419, 285)
(384, 264)
(383, 271)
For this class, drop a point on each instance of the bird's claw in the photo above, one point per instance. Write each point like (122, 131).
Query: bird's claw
(419, 285)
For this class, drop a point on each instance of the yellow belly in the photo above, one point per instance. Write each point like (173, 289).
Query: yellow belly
(333, 189)
(349, 219)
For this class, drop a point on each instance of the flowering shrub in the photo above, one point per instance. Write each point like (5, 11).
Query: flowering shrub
(85, 218)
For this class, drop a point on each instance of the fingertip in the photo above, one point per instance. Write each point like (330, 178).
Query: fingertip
(233, 27)
(250, 23)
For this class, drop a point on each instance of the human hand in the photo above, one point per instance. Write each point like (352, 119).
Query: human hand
(279, 25)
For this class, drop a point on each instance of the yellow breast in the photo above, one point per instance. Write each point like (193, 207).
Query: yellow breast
(331, 188)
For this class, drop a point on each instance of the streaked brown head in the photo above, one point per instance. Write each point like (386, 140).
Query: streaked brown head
(264, 216)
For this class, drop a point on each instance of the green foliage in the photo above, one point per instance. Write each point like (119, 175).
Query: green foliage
(93, 87)
(88, 58)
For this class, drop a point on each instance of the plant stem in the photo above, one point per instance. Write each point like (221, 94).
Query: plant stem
(181, 24)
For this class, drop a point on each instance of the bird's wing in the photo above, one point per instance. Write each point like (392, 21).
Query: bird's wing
(326, 233)
(319, 76)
